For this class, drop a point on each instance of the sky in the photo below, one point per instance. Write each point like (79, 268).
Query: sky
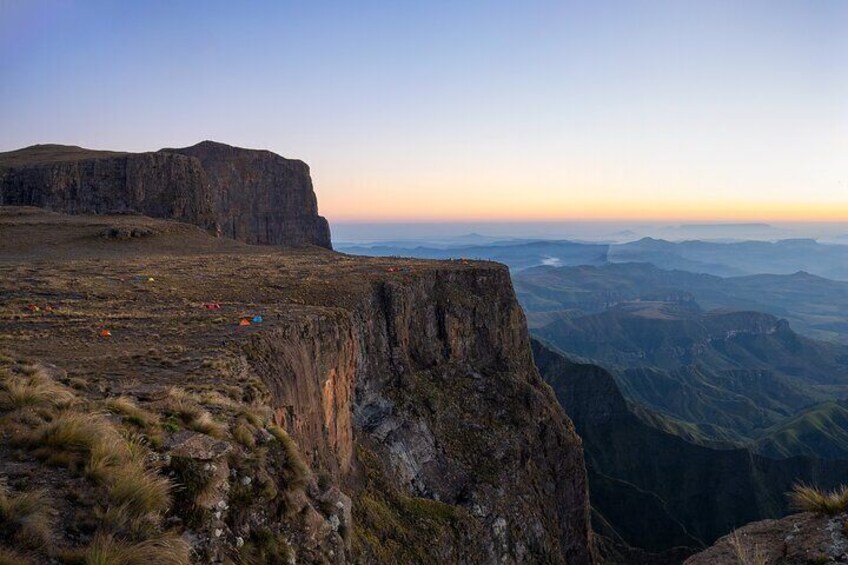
(447, 111)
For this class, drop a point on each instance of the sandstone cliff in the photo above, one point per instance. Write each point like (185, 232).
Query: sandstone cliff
(249, 195)
(431, 385)
(383, 410)
(260, 197)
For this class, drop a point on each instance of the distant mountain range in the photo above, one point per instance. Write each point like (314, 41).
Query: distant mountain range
(517, 255)
(813, 305)
(706, 257)
(736, 372)
(738, 258)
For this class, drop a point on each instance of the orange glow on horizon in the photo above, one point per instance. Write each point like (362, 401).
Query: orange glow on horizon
(636, 210)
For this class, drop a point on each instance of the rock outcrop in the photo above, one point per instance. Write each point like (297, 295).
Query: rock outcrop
(260, 197)
(249, 195)
(799, 539)
(431, 386)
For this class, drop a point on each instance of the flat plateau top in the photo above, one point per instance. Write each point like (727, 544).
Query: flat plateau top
(153, 285)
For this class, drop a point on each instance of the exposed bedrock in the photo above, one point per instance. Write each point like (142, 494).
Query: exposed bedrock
(430, 384)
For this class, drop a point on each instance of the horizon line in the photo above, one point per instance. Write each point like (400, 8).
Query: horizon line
(690, 221)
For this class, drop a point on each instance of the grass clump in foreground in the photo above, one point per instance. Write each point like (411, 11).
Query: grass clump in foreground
(77, 440)
(744, 554)
(811, 499)
(138, 496)
(183, 405)
(297, 471)
(106, 550)
(24, 518)
(132, 413)
(33, 388)
(140, 491)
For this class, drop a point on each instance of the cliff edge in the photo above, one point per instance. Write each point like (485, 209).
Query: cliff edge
(308, 405)
(250, 195)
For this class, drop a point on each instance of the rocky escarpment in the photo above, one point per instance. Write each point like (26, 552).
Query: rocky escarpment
(260, 197)
(430, 386)
(250, 195)
(283, 404)
(161, 185)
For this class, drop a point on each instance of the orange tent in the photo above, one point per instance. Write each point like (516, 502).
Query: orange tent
(244, 322)
(105, 333)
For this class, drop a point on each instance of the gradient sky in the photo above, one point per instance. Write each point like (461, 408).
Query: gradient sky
(461, 110)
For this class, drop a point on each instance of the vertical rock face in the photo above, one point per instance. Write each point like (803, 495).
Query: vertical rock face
(253, 196)
(161, 185)
(261, 197)
(428, 389)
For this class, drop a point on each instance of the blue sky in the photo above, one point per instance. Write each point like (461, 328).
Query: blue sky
(456, 110)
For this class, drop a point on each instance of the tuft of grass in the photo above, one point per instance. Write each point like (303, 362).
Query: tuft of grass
(25, 517)
(78, 383)
(744, 555)
(132, 413)
(206, 424)
(183, 406)
(165, 550)
(73, 437)
(297, 471)
(243, 434)
(811, 499)
(140, 491)
(33, 389)
(110, 459)
(257, 416)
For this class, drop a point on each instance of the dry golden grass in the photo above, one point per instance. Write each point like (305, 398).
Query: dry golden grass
(107, 456)
(25, 518)
(257, 416)
(33, 388)
(810, 499)
(183, 405)
(298, 471)
(132, 413)
(140, 491)
(214, 398)
(243, 434)
(164, 550)
(111, 459)
(744, 554)
(73, 437)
